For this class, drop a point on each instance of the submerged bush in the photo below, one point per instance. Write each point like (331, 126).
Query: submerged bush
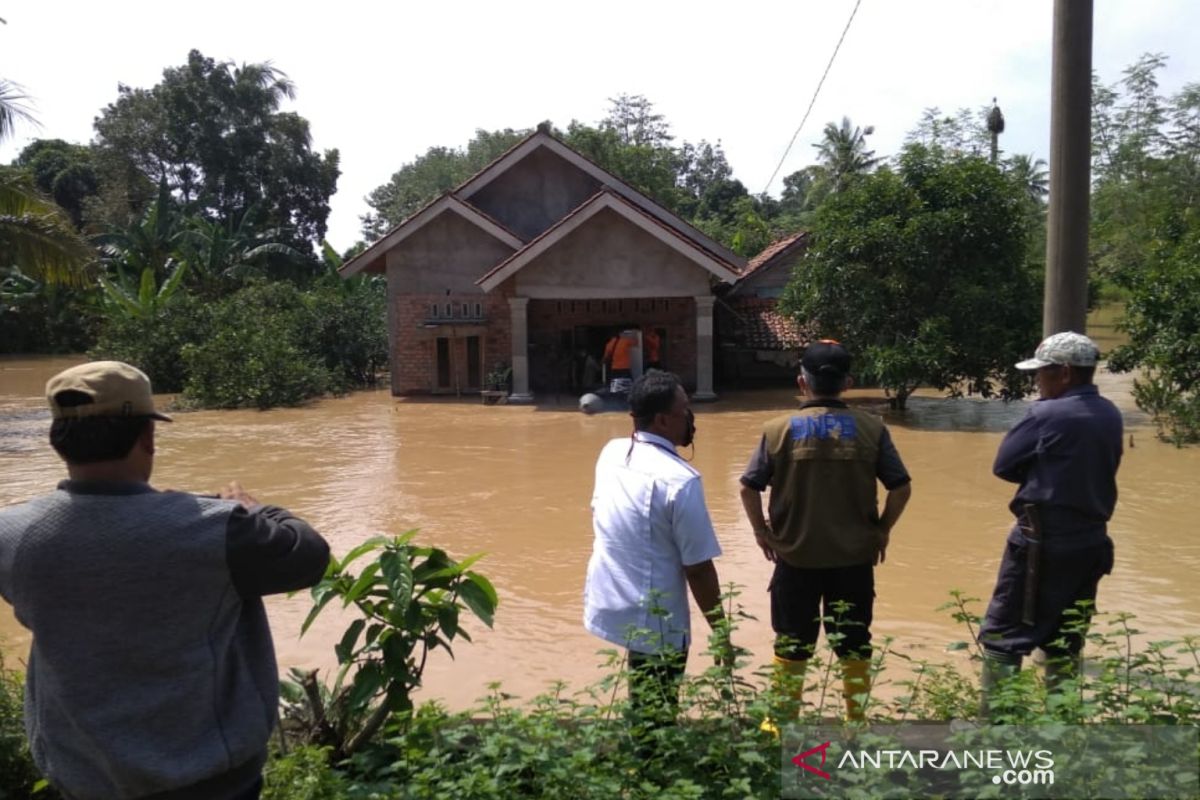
(268, 344)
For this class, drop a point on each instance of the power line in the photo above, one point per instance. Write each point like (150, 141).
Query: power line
(813, 102)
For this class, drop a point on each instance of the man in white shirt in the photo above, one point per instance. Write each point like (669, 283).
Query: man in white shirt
(653, 541)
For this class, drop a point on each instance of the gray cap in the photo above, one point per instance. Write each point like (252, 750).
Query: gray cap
(1073, 349)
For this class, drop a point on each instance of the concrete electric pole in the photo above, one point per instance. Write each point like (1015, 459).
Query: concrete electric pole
(1070, 169)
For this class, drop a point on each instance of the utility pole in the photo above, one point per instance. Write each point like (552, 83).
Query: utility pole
(995, 126)
(1065, 307)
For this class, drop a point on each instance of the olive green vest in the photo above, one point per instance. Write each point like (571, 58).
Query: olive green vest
(823, 505)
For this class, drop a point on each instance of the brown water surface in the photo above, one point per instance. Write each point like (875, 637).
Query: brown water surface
(515, 483)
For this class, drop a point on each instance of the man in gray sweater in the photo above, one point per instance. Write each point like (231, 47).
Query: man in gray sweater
(152, 672)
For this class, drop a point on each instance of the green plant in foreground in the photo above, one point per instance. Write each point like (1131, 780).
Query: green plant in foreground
(408, 600)
(589, 743)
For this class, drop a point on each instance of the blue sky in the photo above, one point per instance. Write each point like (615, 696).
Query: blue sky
(383, 82)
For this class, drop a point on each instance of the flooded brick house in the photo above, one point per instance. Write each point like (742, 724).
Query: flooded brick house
(533, 263)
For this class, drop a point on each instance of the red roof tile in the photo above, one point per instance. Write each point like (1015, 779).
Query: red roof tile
(759, 325)
(773, 250)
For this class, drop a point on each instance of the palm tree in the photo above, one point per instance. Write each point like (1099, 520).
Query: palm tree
(843, 152)
(1030, 174)
(36, 236)
(223, 253)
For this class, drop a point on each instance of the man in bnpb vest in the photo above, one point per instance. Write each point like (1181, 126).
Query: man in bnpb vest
(825, 533)
(1064, 455)
(152, 672)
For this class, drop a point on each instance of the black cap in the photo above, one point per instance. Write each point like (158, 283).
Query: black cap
(826, 357)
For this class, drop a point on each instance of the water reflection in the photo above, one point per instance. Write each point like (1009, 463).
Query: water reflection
(515, 483)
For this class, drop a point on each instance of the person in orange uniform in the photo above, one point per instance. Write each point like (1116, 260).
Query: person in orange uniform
(651, 348)
(618, 355)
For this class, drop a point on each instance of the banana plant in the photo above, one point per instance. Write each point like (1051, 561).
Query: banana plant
(145, 299)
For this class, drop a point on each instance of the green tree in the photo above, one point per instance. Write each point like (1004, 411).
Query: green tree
(64, 172)
(1030, 173)
(842, 153)
(215, 133)
(636, 122)
(224, 255)
(438, 170)
(964, 132)
(906, 267)
(36, 237)
(653, 168)
(1145, 236)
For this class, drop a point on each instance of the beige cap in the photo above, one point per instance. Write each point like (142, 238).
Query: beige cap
(115, 389)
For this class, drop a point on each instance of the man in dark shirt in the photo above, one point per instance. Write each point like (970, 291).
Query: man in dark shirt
(152, 672)
(1064, 455)
(825, 533)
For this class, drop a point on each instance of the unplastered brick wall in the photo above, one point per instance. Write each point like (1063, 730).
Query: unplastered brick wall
(414, 347)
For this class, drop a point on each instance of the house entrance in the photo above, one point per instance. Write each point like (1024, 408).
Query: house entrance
(459, 364)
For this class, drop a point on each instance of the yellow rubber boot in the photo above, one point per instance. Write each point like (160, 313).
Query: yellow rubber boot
(788, 680)
(856, 686)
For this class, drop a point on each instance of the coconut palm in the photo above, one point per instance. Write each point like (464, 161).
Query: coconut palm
(36, 236)
(842, 152)
(1030, 174)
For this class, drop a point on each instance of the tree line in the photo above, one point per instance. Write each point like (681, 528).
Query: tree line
(201, 187)
(188, 238)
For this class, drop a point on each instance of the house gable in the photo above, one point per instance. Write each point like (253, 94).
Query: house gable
(535, 192)
(770, 271)
(449, 253)
(635, 264)
(375, 258)
(541, 139)
(594, 261)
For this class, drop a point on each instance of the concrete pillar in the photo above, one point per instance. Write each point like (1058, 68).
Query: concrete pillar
(394, 283)
(520, 350)
(704, 349)
(1070, 169)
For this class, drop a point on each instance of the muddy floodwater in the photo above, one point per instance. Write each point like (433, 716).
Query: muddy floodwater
(514, 482)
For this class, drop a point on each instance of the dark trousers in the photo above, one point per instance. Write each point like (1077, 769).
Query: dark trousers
(801, 597)
(654, 680)
(1069, 574)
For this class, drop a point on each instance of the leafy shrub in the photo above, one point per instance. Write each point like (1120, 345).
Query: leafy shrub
(18, 775)
(254, 355)
(302, 774)
(154, 343)
(581, 744)
(40, 318)
(266, 345)
(408, 600)
(348, 329)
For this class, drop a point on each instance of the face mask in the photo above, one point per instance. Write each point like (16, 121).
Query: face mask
(691, 429)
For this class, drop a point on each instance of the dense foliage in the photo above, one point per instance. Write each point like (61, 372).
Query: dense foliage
(215, 133)
(268, 344)
(922, 271)
(1146, 237)
(210, 283)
